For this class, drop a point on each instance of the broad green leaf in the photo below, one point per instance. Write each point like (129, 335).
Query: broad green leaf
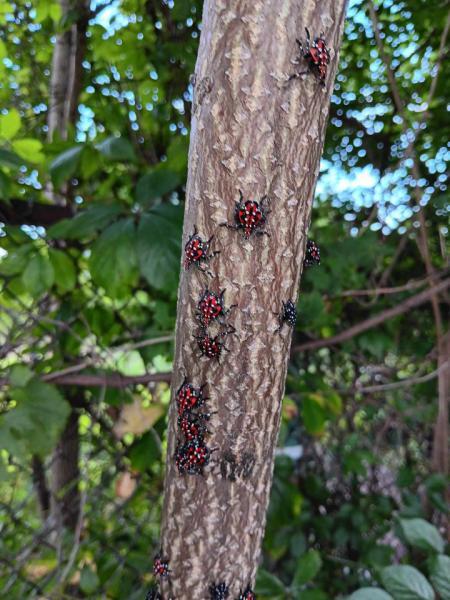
(117, 148)
(159, 246)
(145, 452)
(20, 375)
(421, 534)
(313, 413)
(307, 568)
(65, 274)
(269, 586)
(85, 223)
(3, 51)
(10, 159)
(370, 593)
(65, 165)
(440, 575)
(16, 260)
(54, 12)
(29, 149)
(113, 258)
(89, 581)
(404, 582)
(38, 276)
(33, 425)
(9, 124)
(156, 184)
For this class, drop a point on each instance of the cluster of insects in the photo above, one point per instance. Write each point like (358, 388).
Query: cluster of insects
(192, 454)
(221, 592)
(249, 217)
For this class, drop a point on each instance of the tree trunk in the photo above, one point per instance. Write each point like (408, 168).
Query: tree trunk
(251, 131)
(65, 497)
(65, 85)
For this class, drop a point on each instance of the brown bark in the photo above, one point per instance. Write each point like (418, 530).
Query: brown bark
(251, 130)
(65, 497)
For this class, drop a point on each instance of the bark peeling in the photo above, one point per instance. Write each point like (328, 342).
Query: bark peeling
(250, 131)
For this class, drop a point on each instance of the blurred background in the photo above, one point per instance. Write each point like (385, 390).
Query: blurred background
(95, 107)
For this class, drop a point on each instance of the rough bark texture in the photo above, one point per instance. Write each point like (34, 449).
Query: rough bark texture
(251, 130)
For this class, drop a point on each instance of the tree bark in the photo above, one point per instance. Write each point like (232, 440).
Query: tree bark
(251, 131)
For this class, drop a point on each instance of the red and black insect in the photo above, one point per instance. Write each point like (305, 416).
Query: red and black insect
(250, 216)
(191, 457)
(211, 306)
(212, 347)
(312, 254)
(288, 315)
(317, 54)
(153, 594)
(193, 426)
(189, 397)
(161, 566)
(196, 252)
(247, 594)
(219, 591)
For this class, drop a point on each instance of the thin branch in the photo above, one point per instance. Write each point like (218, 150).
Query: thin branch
(399, 384)
(112, 380)
(401, 308)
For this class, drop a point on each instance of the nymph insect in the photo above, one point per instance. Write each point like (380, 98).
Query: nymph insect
(317, 54)
(247, 594)
(196, 252)
(191, 457)
(189, 397)
(161, 567)
(250, 216)
(212, 347)
(193, 426)
(288, 315)
(211, 306)
(219, 592)
(312, 254)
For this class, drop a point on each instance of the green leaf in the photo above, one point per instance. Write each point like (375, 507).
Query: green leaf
(370, 593)
(29, 149)
(54, 12)
(145, 452)
(10, 159)
(156, 184)
(307, 568)
(38, 276)
(113, 259)
(159, 246)
(65, 165)
(65, 274)
(10, 124)
(269, 586)
(421, 534)
(89, 581)
(3, 51)
(85, 223)
(16, 261)
(440, 575)
(34, 424)
(117, 149)
(313, 413)
(404, 582)
(20, 375)
(5, 186)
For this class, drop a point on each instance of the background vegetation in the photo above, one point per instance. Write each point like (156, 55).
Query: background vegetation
(90, 227)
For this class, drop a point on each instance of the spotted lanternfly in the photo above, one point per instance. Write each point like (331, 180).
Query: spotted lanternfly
(211, 307)
(288, 315)
(247, 594)
(189, 397)
(196, 252)
(219, 592)
(312, 254)
(191, 457)
(212, 347)
(250, 216)
(193, 426)
(317, 54)
(161, 567)
(153, 594)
